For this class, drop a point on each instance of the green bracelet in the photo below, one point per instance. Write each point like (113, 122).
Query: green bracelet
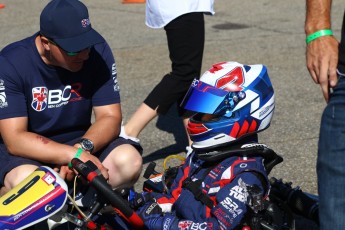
(318, 34)
(77, 155)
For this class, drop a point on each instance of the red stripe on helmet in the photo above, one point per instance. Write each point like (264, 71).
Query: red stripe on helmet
(244, 129)
(235, 130)
(253, 126)
(194, 129)
(216, 67)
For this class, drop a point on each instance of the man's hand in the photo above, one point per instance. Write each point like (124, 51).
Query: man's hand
(85, 156)
(322, 60)
(65, 172)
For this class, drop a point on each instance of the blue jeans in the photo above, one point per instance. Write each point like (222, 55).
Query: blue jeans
(331, 161)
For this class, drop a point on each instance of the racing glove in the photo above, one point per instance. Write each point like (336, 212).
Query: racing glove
(153, 217)
(136, 200)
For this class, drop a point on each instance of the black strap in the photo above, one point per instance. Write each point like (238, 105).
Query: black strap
(194, 187)
(271, 158)
(262, 179)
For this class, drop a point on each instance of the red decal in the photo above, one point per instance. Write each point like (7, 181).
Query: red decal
(235, 130)
(216, 67)
(194, 129)
(253, 126)
(232, 81)
(244, 129)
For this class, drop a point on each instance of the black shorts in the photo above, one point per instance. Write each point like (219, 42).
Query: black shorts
(186, 36)
(9, 162)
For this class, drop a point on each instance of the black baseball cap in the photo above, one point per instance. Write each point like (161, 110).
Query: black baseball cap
(67, 23)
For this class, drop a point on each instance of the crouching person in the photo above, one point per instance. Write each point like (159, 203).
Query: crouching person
(214, 186)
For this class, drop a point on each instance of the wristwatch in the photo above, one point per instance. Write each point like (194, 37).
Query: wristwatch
(86, 144)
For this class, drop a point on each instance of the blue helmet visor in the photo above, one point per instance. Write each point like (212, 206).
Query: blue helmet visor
(203, 98)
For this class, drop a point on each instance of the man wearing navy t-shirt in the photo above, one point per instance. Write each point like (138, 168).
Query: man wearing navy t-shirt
(49, 85)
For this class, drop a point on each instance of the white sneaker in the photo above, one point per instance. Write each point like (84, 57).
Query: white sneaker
(124, 135)
(189, 150)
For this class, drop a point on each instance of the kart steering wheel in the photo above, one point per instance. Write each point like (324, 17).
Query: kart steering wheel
(91, 173)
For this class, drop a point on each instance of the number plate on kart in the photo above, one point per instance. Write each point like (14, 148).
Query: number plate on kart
(39, 196)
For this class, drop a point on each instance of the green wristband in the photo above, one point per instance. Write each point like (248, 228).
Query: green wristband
(77, 155)
(318, 34)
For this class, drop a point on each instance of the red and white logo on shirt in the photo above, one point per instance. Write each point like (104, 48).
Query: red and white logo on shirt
(39, 98)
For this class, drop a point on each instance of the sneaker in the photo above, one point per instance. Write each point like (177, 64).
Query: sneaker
(189, 150)
(125, 136)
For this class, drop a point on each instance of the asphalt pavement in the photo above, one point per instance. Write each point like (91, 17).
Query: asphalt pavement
(250, 32)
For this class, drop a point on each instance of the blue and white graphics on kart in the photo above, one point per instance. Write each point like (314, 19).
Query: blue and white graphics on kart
(38, 197)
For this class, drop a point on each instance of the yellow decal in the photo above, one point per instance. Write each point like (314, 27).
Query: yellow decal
(35, 186)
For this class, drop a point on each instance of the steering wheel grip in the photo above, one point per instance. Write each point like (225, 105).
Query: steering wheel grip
(90, 172)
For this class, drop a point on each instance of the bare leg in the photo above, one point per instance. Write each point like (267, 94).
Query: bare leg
(124, 164)
(15, 176)
(142, 116)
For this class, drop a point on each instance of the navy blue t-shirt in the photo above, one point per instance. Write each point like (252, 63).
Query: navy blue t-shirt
(57, 102)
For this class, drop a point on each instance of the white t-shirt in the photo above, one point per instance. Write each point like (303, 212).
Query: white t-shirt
(160, 12)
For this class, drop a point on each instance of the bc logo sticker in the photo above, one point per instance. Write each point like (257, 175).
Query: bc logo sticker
(39, 101)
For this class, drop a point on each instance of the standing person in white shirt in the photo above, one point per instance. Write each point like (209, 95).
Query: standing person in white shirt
(183, 21)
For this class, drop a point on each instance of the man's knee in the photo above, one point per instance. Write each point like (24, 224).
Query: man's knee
(130, 160)
(17, 175)
(124, 164)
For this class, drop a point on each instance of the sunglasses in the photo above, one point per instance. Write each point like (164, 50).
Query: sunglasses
(71, 54)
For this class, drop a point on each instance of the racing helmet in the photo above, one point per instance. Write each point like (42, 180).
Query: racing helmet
(231, 101)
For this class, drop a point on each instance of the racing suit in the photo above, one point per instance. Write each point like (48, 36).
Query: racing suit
(225, 183)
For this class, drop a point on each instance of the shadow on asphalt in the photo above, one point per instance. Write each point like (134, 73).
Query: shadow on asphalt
(170, 123)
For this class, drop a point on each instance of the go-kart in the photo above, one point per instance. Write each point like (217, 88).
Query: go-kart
(44, 197)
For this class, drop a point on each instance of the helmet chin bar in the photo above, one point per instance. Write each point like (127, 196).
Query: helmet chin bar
(211, 143)
(250, 150)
